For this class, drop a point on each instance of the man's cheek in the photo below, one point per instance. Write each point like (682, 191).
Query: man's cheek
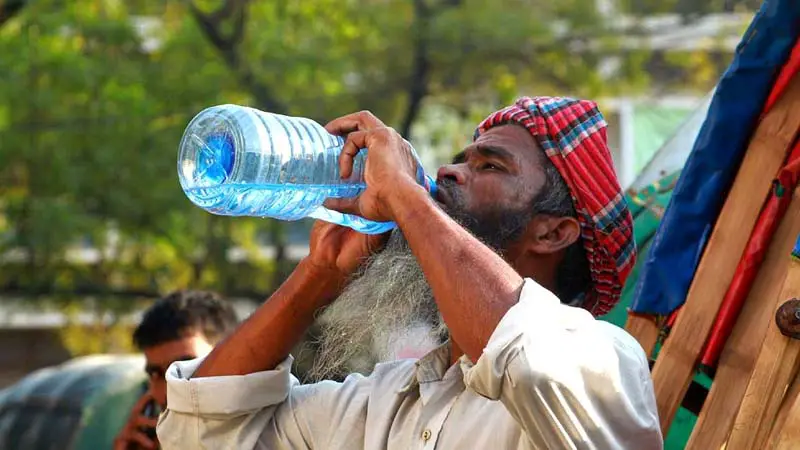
(159, 390)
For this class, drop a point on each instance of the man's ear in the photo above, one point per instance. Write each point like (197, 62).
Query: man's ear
(547, 234)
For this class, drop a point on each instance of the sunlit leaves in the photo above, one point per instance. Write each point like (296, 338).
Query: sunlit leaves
(96, 94)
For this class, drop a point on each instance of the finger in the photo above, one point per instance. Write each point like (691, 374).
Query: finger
(360, 121)
(343, 205)
(147, 422)
(142, 439)
(320, 227)
(123, 441)
(354, 143)
(142, 402)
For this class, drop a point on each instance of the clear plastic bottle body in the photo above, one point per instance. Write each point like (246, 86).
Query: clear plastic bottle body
(239, 161)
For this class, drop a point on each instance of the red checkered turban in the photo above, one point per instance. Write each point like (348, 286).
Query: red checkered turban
(573, 135)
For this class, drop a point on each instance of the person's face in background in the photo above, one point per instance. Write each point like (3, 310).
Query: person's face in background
(160, 356)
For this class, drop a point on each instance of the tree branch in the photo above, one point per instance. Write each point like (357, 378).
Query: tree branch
(420, 71)
(9, 9)
(418, 81)
(228, 47)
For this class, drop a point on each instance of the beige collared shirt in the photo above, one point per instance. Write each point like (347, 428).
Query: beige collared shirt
(551, 377)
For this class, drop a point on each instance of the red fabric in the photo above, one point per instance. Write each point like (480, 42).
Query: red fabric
(787, 73)
(761, 237)
(752, 258)
(572, 134)
(673, 317)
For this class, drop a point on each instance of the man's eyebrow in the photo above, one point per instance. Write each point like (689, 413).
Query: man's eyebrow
(486, 151)
(497, 152)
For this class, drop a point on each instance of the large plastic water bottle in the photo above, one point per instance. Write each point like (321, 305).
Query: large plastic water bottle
(239, 161)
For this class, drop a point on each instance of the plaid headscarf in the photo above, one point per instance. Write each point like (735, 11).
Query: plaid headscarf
(573, 135)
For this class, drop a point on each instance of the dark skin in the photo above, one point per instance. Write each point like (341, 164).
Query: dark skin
(158, 357)
(472, 285)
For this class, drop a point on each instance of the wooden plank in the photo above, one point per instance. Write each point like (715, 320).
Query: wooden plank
(787, 436)
(768, 148)
(738, 358)
(645, 329)
(777, 415)
(775, 366)
(790, 399)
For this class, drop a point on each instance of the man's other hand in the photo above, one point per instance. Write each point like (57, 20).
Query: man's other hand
(391, 165)
(132, 436)
(338, 251)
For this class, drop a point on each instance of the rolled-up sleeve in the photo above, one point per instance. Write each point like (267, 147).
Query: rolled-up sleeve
(222, 412)
(569, 380)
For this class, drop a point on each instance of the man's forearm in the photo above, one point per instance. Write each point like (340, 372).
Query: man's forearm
(473, 286)
(265, 339)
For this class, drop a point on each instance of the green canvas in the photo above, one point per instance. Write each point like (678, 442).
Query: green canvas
(647, 208)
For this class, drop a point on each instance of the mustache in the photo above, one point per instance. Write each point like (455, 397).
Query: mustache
(455, 205)
(451, 192)
(494, 226)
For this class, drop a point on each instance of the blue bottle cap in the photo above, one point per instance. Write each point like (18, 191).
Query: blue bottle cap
(215, 160)
(431, 185)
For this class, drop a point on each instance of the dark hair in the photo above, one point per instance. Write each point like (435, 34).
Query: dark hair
(573, 277)
(182, 313)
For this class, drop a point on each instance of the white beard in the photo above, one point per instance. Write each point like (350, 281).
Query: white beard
(386, 313)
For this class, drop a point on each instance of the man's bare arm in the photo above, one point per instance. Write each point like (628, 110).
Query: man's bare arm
(473, 286)
(265, 339)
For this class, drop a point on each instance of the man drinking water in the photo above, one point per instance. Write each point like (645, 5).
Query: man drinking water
(528, 237)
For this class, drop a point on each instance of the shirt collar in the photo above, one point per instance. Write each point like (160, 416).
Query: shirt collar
(432, 367)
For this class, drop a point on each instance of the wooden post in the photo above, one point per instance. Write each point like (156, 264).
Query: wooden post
(775, 367)
(788, 435)
(645, 329)
(768, 148)
(738, 358)
(791, 403)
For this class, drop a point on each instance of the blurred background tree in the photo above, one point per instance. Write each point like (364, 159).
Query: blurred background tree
(96, 94)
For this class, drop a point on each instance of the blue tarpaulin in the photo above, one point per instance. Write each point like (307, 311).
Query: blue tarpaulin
(718, 151)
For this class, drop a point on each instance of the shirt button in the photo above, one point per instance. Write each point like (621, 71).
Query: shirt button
(426, 435)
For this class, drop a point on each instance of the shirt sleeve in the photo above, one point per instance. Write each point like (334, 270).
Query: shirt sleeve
(267, 409)
(568, 379)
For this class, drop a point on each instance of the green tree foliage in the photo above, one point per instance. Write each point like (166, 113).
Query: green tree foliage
(689, 8)
(96, 94)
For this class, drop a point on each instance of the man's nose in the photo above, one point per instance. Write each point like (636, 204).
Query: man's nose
(453, 172)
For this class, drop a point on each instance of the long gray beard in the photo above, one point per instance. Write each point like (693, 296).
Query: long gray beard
(387, 312)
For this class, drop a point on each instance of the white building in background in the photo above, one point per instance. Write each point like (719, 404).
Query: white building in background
(639, 126)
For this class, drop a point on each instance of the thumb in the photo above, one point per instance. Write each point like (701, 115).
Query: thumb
(142, 402)
(344, 205)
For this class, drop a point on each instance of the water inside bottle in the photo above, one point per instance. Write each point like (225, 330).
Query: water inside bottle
(297, 197)
(265, 184)
(281, 201)
(237, 161)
